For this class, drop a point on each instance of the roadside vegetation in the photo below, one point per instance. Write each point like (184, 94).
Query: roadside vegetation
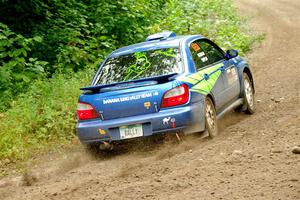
(49, 49)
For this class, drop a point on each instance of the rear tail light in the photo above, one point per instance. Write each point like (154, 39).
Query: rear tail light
(86, 111)
(176, 96)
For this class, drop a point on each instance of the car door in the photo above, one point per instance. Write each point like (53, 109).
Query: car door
(232, 83)
(229, 75)
(210, 61)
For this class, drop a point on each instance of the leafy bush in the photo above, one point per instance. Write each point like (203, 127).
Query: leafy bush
(45, 115)
(17, 68)
(77, 32)
(215, 19)
(64, 36)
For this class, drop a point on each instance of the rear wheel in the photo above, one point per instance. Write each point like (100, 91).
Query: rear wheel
(210, 118)
(249, 103)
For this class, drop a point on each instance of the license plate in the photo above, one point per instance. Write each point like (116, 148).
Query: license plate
(131, 131)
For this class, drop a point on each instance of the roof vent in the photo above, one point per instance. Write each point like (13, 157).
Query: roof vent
(161, 36)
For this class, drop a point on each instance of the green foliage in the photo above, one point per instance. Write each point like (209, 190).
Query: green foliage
(78, 32)
(21, 16)
(45, 115)
(64, 36)
(215, 19)
(143, 66)
(17, 68)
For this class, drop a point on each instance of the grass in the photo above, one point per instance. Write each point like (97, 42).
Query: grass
(42, 117)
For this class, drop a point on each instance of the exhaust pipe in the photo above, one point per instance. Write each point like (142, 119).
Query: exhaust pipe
(105, 146)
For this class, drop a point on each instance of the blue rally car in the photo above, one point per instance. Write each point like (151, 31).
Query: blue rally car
(166, 84)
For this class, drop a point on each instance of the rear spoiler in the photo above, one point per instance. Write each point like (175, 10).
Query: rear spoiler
(126, 84)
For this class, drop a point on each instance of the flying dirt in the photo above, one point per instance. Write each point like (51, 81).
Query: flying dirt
(252, 158)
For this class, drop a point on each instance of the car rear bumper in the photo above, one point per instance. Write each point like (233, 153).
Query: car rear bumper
(187, 118)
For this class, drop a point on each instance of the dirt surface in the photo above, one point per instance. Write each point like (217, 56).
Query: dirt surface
(251, 158)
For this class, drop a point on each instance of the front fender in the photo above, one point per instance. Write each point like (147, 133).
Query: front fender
(243, 67)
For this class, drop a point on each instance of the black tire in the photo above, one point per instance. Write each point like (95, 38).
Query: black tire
(211, 124)
(248, 95)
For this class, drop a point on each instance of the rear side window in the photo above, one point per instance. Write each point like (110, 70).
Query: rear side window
(204, 53)
(140, 65)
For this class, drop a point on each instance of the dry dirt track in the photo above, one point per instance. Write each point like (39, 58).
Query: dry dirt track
(250, 159)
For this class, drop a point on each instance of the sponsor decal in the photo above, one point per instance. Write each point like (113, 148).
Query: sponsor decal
(101, 131)
(196, 47)
(201, 54)
(155, 93)
(232, 75)
(204, 59)
(130, 98)
(173, 122)
(166, 120)
(147, 104)
(203, 81)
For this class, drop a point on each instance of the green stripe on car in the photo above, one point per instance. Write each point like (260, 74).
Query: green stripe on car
(200, 83)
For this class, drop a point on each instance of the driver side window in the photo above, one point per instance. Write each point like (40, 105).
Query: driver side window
(204, 53)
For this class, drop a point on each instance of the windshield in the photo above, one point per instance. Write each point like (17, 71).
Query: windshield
(140, 65)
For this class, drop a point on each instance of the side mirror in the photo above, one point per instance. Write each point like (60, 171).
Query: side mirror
(231, 54)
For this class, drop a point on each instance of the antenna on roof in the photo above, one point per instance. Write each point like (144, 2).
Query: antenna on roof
(161, 36)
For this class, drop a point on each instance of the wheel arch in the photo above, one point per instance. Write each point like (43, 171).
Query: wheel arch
(244, 68)
(212, 131)
(209, 95)
(248, 72)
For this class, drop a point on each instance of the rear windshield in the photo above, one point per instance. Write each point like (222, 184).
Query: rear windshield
(140, 65)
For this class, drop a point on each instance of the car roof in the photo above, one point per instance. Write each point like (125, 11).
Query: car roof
(154, 44)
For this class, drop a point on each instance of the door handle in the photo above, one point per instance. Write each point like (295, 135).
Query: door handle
(222, 69)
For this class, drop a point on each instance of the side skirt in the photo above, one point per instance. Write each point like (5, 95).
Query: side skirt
(235, 104)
